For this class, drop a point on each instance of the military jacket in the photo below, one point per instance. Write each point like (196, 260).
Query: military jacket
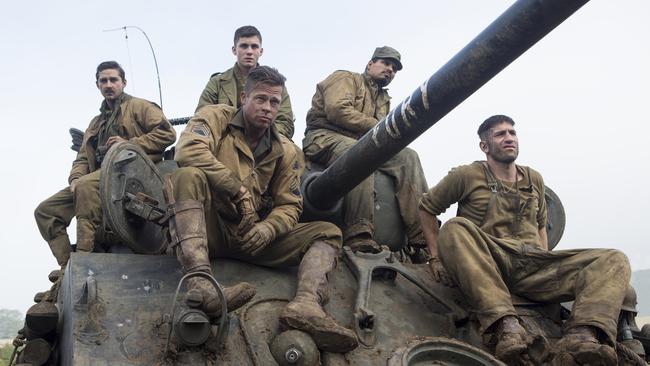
(213, 142)
(222, 89)
(139, 121)
(469, 186)
(348, 103)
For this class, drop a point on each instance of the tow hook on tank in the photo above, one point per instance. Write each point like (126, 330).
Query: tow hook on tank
(363, 266)
(191, 326)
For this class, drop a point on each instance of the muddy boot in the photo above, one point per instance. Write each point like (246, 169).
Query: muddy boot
(512, 341)
(358, 237)
(203, 294)
(188, 235)
(305, 312)
(363, 243)
(580, 346)
(61, 249)
(85, 236)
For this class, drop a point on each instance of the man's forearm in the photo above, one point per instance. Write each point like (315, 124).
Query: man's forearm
(543, 238)
(429, 225)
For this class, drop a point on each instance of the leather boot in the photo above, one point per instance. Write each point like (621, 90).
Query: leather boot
(61, 249)
(85, 236)
(363, 245)
(305, 312)
(188, 234)
(358, 237)
(580, 346)
(512, 341)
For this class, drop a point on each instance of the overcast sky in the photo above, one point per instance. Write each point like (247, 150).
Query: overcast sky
(579, 97)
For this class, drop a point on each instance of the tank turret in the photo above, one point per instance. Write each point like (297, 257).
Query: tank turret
(122, 307)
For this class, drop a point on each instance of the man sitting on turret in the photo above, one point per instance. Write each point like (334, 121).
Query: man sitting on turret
(497, 245)
(345, 106)
(231, 161)
(122, 117)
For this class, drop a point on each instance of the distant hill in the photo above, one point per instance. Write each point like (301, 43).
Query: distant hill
(10, 322)
(641, 283)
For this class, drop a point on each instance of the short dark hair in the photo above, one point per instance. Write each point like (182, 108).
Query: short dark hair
(263, 75)
(484, 128)
(246, 31)
(109, 65)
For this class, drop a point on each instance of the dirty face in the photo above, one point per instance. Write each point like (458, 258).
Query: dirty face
(260, 106)
(382, 71)
(248, 50)
(110, 84)
(502, 145)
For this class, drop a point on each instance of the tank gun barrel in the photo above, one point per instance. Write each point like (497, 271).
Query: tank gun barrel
(509, 36)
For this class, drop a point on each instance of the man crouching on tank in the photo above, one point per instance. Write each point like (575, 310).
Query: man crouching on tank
(497, 245)
(237, 193)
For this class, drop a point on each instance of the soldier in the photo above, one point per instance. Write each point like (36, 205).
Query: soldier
(239, 178)
(345, 106)
(497, 245)
(122, 117)
(226, 87)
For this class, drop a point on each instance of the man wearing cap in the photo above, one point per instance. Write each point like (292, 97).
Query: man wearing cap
(226, 87)
(345, 106)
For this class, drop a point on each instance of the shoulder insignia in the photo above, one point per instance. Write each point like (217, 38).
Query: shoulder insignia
(201, 129)
(295, 186)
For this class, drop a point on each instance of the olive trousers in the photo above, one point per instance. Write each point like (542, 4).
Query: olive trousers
(325, 146)
(488, 269)
(223, 242)
(53, 215)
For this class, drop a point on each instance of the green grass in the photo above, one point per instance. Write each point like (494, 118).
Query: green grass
(5, 354)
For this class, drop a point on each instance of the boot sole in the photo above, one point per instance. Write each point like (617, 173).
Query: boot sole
(236, 302)
(326, 336)
(512, 354)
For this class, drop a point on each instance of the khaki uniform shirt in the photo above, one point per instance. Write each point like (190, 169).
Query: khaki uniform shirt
(468, 185)
(137, 120)
(214, 141)
(226, 87)
(348, 103)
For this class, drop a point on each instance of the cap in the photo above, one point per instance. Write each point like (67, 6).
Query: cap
(390, 53)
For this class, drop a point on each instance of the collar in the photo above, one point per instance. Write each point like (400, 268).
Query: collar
(237, 73)
(105, 109)
(265, 144)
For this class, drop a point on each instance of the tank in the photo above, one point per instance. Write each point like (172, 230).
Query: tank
(122, 305)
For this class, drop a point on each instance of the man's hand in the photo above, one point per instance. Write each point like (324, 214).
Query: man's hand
(112, 140)
(243, 201)
(258, 238)
(73, 185)
(440, 273)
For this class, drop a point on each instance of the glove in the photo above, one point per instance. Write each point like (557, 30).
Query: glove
(243, 201)
(440, 273)
(258, 238)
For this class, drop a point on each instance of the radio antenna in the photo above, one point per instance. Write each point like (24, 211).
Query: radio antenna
(124, 28)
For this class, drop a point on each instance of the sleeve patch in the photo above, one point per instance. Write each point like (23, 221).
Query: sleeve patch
(201, 129)
(295, 186)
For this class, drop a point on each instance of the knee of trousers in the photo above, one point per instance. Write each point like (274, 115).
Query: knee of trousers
(454, 235)
(328, 233)
(617, 259)
(409, 155)
(188, 181)
(86, 190)
(44, 211)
